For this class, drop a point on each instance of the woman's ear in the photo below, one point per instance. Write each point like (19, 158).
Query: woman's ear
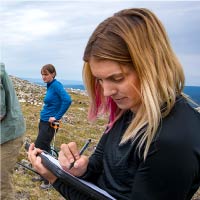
(53, 74)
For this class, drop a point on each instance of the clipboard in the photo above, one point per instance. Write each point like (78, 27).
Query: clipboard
(85, 187)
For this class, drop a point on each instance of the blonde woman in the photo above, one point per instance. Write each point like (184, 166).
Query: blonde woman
(151, 147)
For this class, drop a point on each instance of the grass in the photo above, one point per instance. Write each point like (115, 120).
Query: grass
(75, 127)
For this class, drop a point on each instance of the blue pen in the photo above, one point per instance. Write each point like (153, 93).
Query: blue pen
(81, 151)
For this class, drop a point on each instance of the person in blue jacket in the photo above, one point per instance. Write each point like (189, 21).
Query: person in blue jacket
(56, 102)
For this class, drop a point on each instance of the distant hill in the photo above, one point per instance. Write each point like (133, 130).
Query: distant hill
(72, 84)
(64, 82)
(192, 91)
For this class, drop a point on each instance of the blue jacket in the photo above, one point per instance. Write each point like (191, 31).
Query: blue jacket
(56, 101)
(12, 120)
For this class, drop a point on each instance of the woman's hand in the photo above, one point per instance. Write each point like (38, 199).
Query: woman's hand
(69, 154)
(52, 119)
(37, 164)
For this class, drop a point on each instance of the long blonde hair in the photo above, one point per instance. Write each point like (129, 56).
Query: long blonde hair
(136, 36)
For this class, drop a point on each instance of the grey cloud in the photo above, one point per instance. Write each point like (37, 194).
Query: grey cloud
(60, 34)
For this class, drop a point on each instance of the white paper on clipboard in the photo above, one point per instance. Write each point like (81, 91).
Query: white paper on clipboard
(89, 184)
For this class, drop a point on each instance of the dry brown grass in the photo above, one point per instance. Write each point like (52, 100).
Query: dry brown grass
(76, 128)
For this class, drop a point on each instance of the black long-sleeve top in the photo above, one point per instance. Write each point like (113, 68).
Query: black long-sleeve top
(170, 171)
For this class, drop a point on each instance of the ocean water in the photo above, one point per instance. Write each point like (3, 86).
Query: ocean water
(76, 87)
(193, 92)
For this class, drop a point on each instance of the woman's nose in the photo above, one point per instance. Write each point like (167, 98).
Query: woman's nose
(108, 89)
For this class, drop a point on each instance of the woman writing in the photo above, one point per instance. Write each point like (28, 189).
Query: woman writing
(151, 147)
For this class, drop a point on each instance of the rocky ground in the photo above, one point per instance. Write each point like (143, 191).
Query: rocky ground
(74, 127)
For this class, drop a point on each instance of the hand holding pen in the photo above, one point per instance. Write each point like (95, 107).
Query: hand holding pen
(81, 152)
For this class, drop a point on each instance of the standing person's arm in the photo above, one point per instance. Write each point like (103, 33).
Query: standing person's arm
(65, 100)
(12, 120)
(3, 98)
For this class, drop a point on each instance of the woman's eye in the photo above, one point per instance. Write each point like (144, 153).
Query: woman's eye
(111, 79)
(118, 79)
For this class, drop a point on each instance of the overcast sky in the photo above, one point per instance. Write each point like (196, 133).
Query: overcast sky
(34, 33)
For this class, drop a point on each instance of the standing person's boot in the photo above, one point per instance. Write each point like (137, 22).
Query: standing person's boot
(37, 178)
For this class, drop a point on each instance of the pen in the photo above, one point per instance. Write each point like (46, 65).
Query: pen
(81, 151)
